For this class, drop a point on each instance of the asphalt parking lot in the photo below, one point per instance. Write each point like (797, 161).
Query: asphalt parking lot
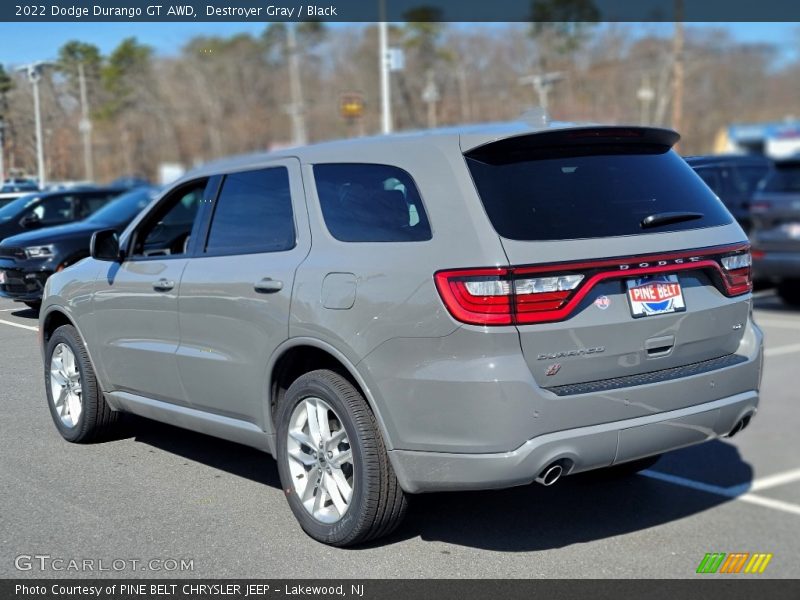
(161, 493)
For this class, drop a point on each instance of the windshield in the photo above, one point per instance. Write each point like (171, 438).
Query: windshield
(123, 209)
(783, 179)
(12, 209)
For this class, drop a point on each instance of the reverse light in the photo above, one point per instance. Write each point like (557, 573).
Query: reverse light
(39, 251)
(737, 261)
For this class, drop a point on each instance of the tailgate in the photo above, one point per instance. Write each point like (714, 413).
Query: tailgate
(622, 261)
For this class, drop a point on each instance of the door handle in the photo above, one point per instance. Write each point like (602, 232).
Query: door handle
(268, 286)
(163, 285)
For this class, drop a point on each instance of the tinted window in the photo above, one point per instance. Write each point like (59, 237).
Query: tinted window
(750, 177)
(167, 230)
(55, 209)
(253, 213)
(370, 203)
(91, 203)
(591, 195)
(785, 178)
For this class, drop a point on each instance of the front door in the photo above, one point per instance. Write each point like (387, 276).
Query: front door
(136, 302)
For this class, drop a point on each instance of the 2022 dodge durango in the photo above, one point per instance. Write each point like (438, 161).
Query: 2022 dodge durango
(454, 310)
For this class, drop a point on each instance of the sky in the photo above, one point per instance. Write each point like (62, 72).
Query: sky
(27, 42)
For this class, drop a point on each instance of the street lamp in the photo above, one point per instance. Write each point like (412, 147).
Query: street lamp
(34, 73)
(542, 84)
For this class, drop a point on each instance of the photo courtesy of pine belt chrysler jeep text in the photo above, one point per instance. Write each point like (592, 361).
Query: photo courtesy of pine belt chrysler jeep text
(440, 311)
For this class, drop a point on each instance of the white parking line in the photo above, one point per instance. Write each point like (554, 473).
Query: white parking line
(769, 481)
(20, 325)
(781, 350)
(782, 323)
(736, 492)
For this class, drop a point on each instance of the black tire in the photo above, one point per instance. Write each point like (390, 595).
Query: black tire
(632, 467)
(789, 291)
(34, 305)
(377, 505)
(97, 419)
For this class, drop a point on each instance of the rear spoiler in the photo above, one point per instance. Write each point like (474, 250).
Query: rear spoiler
(575, 141)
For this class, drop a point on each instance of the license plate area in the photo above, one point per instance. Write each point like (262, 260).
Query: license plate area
(656, 295)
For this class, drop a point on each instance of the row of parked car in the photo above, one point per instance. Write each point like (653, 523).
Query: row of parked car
(764, 196)
(45, 232)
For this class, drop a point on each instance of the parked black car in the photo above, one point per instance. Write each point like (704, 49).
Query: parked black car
(775, 236)
(734, 178)
(46, 209)
(28, 259)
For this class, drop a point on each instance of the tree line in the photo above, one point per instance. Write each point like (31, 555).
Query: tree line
(219, 95)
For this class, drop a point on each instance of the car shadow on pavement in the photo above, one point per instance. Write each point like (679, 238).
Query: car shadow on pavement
(582, 508)
(26, 313)
(238, 460)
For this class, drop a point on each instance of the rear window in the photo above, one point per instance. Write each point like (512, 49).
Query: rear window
(580, 195)
(784, 178)
(370, 203)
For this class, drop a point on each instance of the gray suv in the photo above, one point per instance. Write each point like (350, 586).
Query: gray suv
(453, 310)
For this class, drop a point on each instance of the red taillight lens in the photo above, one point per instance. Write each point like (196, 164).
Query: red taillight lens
(737, 273)
(502, 297)
(759, 206)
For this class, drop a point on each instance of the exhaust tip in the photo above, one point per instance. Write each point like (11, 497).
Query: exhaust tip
(740, 425)
(550, 475)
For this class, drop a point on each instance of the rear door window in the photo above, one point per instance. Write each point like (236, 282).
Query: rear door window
(591, 192)
(253, 213)
(370, 203)
(783, 179)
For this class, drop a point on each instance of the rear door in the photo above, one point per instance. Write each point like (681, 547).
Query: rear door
(236, 293)
(616, 247)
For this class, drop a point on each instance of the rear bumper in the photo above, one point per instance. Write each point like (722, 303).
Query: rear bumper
(581, 449)
(777, 265)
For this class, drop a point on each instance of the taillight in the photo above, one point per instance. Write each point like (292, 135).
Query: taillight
(737, 272)
(759, 206)
(501, 296)
(549, 293)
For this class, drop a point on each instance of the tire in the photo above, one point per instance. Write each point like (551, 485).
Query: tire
(789, 291)
(376, 504)
(630, 468)
(34, 305)
(95, 419)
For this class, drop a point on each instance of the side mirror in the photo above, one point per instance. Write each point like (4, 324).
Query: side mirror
(105, 246)
(30, 221)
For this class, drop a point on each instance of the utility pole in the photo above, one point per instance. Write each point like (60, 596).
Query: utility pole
(430, 96)
(678, 68)
(296, 109)
(34, 73)
(542, 84)
(2, 151)
(85, 127)
(383, 56)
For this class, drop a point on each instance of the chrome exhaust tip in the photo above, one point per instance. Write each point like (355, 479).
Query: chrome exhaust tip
(550, 475)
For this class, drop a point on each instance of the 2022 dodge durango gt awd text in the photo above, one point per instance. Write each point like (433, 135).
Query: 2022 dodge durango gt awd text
(452, 310)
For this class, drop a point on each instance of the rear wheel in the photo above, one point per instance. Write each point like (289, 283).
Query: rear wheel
(333, 463)
(76, 403)
(789, 291)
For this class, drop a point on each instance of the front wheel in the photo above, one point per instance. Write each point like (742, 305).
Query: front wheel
(333, 463)
(76, 403)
